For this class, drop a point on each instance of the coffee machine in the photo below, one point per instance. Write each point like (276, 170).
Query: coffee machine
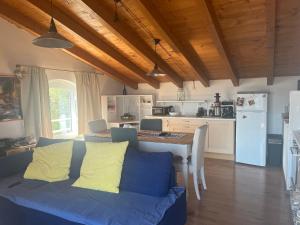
(227, 109)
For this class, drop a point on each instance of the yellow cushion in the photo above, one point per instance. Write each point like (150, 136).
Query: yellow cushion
(102, 166)
(51, 163)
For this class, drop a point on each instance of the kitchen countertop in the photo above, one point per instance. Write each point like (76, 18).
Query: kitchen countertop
(194, 117)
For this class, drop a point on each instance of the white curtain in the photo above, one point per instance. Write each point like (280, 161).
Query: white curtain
(35, 102)
(88, 99)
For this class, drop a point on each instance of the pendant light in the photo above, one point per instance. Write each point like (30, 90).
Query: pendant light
(155, 72)
(52, 39)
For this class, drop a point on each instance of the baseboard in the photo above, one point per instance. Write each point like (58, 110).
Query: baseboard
(219, 156)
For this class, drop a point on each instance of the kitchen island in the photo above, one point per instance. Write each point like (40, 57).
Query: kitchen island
(220, 138)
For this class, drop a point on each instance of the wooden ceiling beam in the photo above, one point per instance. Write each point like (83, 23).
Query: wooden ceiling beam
(129, 35)
(153, 15)
(219, 40)
(33, 27)
(271, 38)
(93, 38)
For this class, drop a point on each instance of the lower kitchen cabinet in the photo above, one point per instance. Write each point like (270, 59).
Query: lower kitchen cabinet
(220, 138)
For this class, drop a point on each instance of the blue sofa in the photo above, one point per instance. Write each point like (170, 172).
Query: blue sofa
(146, 177)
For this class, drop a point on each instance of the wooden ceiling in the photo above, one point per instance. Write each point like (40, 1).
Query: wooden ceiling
(200, 39)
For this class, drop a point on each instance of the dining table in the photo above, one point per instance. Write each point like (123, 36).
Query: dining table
(179, 144)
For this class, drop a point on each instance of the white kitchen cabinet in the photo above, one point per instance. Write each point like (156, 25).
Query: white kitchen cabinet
(221, 136)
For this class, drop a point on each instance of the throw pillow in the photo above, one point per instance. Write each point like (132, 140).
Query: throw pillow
(50, 163)
(102, 166)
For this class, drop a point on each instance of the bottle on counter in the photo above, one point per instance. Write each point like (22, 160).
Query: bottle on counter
(212, 111)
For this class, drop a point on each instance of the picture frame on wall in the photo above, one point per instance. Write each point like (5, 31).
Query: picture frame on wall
(10, 98)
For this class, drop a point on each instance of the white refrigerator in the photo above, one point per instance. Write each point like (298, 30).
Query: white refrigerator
(251, 128)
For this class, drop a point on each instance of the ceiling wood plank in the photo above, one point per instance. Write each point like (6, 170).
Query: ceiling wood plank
(94, 38)
(219, 40)
(129, 35)
(271, 38)
(33, 27)
(186, 49)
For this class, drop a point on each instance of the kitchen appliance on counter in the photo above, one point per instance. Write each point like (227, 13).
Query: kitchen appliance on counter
(217, 105)
(251, 128)
(162, 110)
(201, 112)
(227, 109)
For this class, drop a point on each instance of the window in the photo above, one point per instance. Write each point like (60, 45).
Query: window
(63, 107)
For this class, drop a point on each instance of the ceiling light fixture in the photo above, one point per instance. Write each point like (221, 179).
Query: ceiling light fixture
(156, 72)
(52, 39)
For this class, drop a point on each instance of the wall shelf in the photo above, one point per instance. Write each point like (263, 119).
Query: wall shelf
(114, 106)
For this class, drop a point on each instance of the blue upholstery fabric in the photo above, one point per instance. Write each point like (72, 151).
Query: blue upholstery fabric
(11, 214)
(151, 124)
(77, 158)
(14, 164)
(49, 141)
(152, 170)
(88, 206)
(124, 134)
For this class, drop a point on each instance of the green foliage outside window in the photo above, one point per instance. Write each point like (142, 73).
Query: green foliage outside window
(61, 109)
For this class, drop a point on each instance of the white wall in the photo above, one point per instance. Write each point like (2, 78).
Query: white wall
(279, 94)
(16, 48)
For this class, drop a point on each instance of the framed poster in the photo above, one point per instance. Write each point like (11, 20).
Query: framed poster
(10, 98)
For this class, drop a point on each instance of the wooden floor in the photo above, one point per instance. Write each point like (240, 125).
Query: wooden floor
(240, 195)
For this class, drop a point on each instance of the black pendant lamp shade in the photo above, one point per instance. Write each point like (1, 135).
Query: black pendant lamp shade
(52, 39)
(155, 72)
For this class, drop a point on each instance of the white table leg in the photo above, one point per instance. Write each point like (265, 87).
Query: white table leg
(185, 173)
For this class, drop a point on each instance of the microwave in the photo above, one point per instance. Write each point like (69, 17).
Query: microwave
(161, 110)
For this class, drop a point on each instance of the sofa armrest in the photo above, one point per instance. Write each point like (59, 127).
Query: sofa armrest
(14, 164)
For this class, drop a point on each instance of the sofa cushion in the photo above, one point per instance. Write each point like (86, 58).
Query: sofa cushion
(102, 166)
(51, 163)
(147, 172)
(77, 156)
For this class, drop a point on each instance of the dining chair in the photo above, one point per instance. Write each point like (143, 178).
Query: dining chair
(151, 124)
(124, 134)
(196, 161)
(97, 126)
